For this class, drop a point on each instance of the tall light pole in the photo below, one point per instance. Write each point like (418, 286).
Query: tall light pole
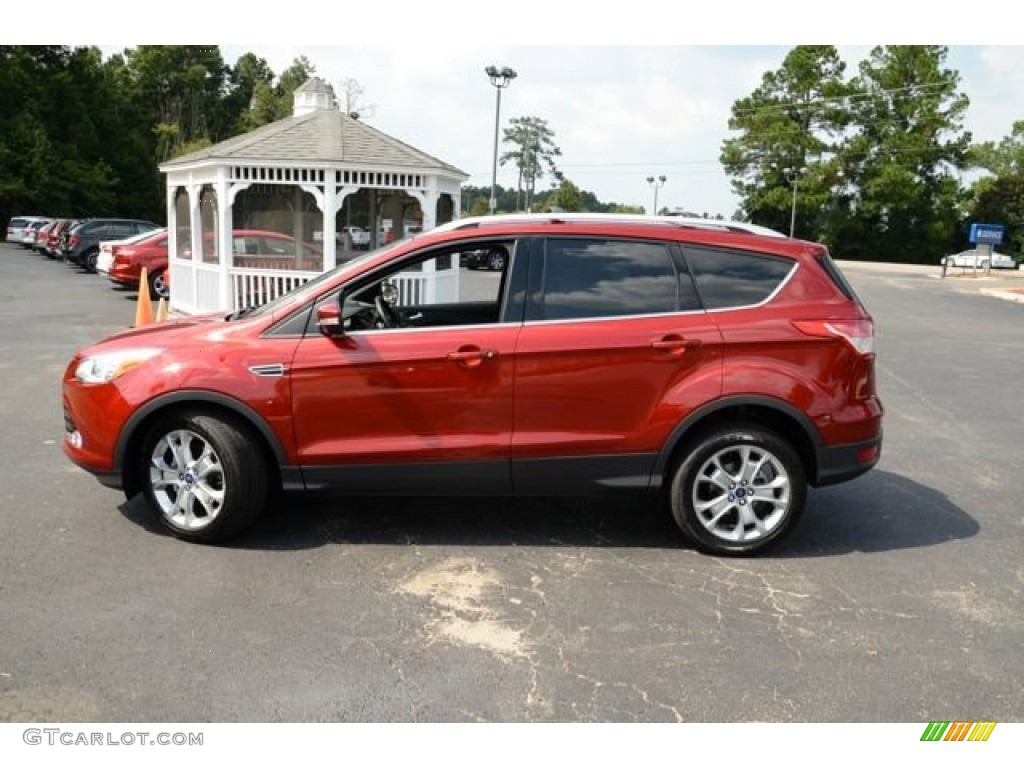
(793, 177)
(500, 78)
(656, 183)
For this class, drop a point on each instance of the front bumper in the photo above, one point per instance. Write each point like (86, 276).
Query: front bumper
(94, 415)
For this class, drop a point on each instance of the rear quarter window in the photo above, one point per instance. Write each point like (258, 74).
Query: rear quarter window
(728, 279)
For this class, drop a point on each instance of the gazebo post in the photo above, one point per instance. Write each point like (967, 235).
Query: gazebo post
(225, 226)
(195, 230)
(172, 237)
(297, 226)
(330, 213)
(374, 230)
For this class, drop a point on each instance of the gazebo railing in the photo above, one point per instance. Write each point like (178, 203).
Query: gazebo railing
(252, 287)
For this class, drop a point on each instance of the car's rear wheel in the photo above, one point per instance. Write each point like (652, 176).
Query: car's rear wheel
(158, 287)
(738, 490)
(202, 475)
(496, 262)
(89, 259)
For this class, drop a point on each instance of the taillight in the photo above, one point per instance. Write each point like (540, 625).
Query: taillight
(73, 242)
(859, 334)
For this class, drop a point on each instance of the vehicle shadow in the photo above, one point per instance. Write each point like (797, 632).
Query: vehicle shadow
(878, 512)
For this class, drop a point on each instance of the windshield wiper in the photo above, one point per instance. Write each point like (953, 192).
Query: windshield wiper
(239, 314)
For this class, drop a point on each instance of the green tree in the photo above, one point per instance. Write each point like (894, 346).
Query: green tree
(184, 86)
(567, 197)
(908, 145)
(1003, 159)
(788, 130)
(249, 72)
(999, 198)
(269, 102)
(533, 153)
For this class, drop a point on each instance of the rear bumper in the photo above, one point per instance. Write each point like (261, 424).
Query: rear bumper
(839, 463)
(124, 275)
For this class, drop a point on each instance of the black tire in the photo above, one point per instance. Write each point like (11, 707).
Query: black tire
(158, 288)
(238, 472)
(89, 259)
(496, 262)
(772, 499)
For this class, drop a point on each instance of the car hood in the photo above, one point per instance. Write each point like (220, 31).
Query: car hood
(210, 327)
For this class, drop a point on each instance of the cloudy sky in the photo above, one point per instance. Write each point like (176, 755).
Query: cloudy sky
(656, 102)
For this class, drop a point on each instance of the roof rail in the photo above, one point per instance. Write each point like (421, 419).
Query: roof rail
(606, 218)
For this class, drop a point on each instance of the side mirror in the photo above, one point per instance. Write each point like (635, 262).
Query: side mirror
(328, 319)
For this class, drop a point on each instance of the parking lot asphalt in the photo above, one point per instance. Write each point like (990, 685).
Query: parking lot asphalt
(897, 598)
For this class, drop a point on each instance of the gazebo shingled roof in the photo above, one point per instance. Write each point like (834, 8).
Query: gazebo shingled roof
(322, 136)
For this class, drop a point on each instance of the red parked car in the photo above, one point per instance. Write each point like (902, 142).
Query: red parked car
(53, 237)
(719, 367)
(128, 259)
(252, 248)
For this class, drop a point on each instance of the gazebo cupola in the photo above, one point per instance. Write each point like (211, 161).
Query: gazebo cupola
(261, 213)
(312, 95)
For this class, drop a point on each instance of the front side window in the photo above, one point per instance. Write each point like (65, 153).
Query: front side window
(590, 278)
(430, 291)
(727, 279)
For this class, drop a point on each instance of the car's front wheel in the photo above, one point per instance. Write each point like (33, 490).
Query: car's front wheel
(738, 490)
(203, 476)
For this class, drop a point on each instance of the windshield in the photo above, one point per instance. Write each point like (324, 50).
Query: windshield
(307, 289)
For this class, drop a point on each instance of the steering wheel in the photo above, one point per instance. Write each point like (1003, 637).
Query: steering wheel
(385, 312)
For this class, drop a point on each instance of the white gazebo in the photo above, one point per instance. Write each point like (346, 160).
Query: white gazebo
(259, 214)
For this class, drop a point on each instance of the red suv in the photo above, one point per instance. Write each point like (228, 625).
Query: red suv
(719, 366)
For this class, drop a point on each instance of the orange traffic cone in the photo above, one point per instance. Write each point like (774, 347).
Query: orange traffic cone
(144, 310)
(161, 310)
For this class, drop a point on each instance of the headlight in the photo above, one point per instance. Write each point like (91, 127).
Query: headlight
(98, 369)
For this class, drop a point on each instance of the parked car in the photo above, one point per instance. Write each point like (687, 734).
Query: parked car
(81, 244)
(492, 258)
(968, 259)
(42, 236)
(252, 248)
(122, 260)
(718, 367)
(17, 225)
(360, 237)
(29, 233)
(262, 249)
(52, 247)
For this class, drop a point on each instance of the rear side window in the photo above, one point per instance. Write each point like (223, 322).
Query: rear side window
(727, 279)
(586, 278)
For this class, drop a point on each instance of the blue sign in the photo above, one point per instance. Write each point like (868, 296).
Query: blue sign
(987, 234)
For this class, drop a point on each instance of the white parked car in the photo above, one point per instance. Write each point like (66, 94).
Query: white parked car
(18, 226)
(360, 237)
(968, 259)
